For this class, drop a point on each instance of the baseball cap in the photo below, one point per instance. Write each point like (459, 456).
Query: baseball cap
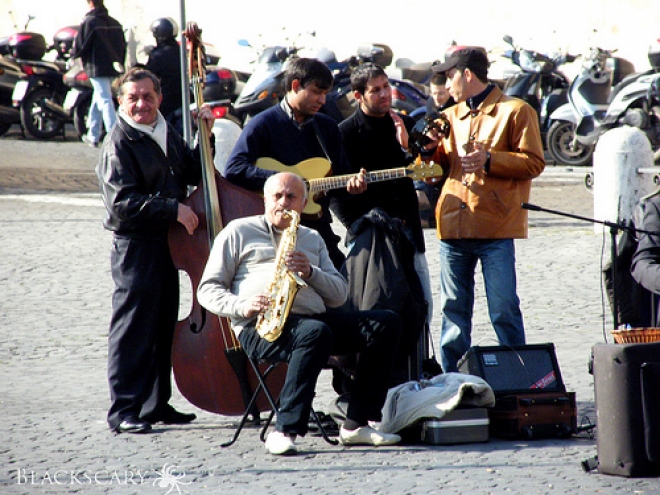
(470, 57)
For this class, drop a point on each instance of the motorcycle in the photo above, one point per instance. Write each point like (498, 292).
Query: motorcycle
(42, 80)
(75, 106)
(10, 74)
(634, 102)
(407, 96)
(538, 81)
(570, 139)
(410, 86)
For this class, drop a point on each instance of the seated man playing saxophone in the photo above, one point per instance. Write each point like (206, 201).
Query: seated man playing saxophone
(235, 284)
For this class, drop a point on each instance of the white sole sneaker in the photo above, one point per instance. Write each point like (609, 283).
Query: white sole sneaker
(278, 443)
(366, 435)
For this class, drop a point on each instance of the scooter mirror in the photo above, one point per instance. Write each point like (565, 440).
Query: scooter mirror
(508, 39)
(243, 42)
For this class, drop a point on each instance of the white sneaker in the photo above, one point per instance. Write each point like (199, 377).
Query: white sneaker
(278, 443)
(89, 141)
(366, 435)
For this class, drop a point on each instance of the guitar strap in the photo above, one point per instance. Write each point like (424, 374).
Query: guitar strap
(320, 139)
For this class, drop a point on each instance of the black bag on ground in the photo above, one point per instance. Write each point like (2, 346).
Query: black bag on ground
(626, 378)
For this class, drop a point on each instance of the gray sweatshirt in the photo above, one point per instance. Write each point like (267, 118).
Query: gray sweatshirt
(242, 263)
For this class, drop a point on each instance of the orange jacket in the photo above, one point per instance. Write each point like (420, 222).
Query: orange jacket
(487, 205)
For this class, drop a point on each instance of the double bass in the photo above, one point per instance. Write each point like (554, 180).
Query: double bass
(210, 368)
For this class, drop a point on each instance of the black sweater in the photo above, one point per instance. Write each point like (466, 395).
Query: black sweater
(370, 143)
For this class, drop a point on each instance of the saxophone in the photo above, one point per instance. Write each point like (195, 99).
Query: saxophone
(283, 287)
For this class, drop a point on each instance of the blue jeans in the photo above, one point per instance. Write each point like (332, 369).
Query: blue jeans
(458, 261)
(102, 108)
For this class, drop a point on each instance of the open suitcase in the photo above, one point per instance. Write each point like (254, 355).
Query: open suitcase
(531, 398)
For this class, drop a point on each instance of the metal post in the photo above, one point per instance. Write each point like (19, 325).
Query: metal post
(185, 78)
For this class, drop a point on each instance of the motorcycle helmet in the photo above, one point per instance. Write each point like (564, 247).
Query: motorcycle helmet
(164, 28)
(63, 41)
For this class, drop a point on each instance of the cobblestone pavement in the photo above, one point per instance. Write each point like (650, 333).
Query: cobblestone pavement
(55, 291)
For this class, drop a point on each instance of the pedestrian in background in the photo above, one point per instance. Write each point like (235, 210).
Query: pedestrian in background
(165, 62)
(101, 45)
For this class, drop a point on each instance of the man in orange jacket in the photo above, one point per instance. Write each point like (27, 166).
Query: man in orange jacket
(492, 153)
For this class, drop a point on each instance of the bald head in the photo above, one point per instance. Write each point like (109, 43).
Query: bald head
(284, 191)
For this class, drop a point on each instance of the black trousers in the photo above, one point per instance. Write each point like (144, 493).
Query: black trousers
(306, 344)
(145, 306)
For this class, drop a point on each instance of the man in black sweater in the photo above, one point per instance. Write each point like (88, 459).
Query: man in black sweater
(376, 138)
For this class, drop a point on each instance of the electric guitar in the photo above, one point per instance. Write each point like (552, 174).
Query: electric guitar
(316, 170)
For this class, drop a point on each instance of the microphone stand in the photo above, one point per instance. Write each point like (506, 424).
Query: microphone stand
(614, 230)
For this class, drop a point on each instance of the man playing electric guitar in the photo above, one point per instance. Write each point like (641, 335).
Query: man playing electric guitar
(291, 132)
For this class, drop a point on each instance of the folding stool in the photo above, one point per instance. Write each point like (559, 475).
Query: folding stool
(261, 378)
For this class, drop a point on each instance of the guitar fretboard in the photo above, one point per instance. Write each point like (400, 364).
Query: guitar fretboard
(340, 181)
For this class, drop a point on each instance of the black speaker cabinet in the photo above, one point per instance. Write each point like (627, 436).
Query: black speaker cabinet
(626, 382)
(515, 369)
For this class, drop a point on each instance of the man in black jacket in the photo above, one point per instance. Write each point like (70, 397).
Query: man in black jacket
(101, 45)
(144, 171)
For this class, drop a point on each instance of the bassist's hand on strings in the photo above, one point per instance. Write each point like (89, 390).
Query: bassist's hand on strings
(206, 114)
(358, 183)
(187, 217)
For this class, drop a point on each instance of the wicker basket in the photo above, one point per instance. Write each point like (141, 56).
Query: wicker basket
(636, 335)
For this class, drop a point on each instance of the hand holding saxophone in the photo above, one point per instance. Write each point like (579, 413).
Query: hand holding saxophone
(256, 305)
(298, 263)
(295, 262)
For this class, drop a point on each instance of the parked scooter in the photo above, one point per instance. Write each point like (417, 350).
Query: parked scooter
(42, 80)
(635, 102)
(10, 74)
(78, 99)
(340, 103)
(570, 139)
(539, 81)
(410, 86)
(407, 96)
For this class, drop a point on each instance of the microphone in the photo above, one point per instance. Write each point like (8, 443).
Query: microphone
(529, 206)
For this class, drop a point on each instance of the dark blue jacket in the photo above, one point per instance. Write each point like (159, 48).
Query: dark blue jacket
(100, 44)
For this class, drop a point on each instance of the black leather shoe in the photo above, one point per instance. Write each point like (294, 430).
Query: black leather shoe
(133, 424)
(171, 417)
